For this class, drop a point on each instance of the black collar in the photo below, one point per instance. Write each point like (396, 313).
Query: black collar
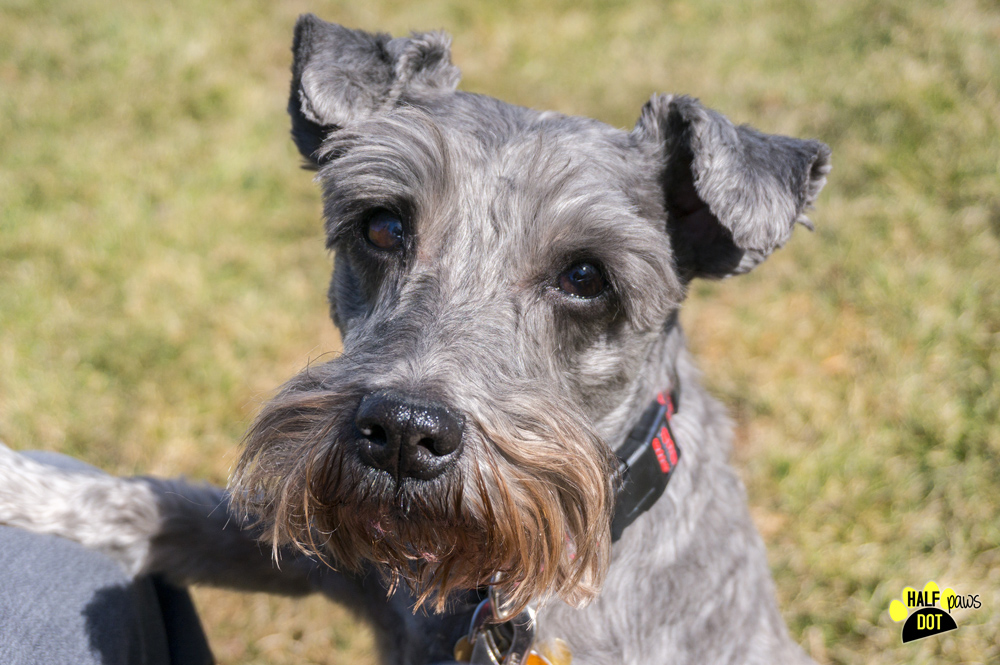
(647, 459)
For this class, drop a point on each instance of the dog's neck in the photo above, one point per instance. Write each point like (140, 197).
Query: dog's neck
(675, 566)
(690, 570)
(658, 373)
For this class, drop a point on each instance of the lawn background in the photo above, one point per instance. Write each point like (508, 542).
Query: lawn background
(162, 267)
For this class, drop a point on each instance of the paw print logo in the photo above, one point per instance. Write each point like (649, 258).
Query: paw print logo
(923, 613)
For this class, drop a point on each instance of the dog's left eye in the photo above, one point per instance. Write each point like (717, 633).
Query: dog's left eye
(384, 230)
(582, 280)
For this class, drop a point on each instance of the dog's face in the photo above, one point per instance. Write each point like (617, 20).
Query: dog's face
(502, 275)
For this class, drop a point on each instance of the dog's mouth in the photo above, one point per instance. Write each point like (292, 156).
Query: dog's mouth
(505, 500)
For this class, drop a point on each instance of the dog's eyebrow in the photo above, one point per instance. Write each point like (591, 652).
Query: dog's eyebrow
(397, 162)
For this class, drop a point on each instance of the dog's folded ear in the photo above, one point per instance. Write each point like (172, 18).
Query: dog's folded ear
(733, 194)
(341, 76)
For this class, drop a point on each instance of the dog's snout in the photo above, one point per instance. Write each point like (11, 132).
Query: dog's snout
(408, 437)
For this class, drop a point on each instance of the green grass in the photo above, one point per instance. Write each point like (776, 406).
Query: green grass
(162, 267)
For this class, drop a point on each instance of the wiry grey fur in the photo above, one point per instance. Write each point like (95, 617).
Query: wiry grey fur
(499, 200)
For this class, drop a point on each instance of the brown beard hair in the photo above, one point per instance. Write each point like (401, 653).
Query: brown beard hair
(533, 518)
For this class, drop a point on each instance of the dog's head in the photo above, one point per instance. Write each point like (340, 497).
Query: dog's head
(502, 276)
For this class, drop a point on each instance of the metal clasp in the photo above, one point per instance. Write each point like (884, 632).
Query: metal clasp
(497, 638)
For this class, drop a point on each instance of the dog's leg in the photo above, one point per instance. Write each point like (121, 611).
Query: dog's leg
(171, 527)
(186, 533)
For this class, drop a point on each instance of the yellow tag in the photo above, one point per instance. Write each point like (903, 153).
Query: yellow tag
(463, 649)
(555, 652)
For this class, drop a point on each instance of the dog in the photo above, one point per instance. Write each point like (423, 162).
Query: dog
(513, 459)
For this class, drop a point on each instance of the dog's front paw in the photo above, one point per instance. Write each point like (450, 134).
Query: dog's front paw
(112, 515)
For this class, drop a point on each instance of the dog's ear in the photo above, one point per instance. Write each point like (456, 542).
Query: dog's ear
(340, 76)
(732, 194)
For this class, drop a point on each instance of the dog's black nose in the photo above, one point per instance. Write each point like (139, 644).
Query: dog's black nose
(407, 437)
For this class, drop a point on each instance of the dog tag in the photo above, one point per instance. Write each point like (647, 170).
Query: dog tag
(463, 649)
(480, 652)
(484, 652)
(551, 652)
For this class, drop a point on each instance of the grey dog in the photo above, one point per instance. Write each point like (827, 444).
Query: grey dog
(507, 283)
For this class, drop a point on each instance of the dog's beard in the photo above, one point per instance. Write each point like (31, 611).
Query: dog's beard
(531, 499)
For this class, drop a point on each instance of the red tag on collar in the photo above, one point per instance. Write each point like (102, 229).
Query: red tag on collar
(663, 445)
(648, 459)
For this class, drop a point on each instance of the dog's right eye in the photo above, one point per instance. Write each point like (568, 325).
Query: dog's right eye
(582, 280)
(384, 230)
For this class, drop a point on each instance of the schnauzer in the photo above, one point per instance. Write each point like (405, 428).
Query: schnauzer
(483, 473)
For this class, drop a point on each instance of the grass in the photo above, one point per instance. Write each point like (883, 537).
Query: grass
(162, 269)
